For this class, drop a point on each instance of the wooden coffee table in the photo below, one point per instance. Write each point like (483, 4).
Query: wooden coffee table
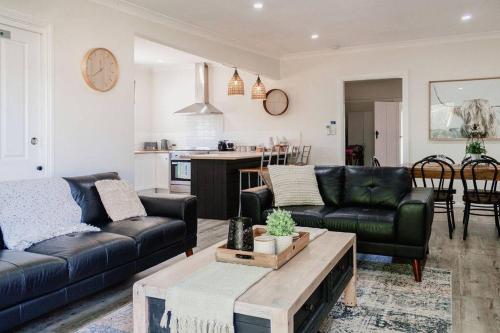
(295, 298)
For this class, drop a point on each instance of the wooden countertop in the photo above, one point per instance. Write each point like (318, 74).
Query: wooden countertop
(151, 151)
(230, 155)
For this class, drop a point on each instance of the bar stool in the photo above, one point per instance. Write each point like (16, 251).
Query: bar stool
(265, 160)
(304, 155)
(294, 155)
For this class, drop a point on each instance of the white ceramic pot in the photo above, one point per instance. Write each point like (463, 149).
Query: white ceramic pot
(264, 244)
(282, 242)
(475, 156)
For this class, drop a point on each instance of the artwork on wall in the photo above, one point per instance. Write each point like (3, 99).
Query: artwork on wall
(455, 106)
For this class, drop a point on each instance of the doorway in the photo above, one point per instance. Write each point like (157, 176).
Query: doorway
(373, 121)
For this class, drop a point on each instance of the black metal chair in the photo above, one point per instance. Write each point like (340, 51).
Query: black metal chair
(375, 162)
(468, 158)
(480, 199)
(443, 190)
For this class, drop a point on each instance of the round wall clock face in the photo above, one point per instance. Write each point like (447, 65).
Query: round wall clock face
(100, 69)
(276, 102)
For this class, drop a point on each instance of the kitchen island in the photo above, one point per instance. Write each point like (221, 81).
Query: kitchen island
(215, 181)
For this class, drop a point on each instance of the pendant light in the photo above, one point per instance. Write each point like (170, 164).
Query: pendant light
(236, 85)
(258, 89)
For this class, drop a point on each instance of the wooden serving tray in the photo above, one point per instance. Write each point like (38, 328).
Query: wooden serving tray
(274, 261)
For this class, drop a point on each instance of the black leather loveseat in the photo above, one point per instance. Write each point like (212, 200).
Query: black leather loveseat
(62, 269)
(379, 204)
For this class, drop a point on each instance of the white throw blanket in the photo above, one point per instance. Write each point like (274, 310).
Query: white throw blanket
(35, 210)
(204, 303)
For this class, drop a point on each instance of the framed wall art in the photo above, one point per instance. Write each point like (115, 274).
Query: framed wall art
(458, 106)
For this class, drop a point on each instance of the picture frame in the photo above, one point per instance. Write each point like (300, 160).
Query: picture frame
(455, 106)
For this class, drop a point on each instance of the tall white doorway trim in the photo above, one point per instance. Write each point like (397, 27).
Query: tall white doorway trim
(22, 21)
(341, 144)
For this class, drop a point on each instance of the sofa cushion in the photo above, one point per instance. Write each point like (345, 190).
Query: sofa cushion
(88, 253)
(119, 199)
(381, 187)
(305, 216)
(370, 224)
(294, 185)
(86, 196)
(331, 184)
(150, 233)
(25, 275)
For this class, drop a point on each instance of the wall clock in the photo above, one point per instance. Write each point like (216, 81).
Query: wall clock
(276, 102)
(100, 69)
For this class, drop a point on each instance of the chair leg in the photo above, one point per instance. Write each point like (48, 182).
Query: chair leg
(239, 195)
(417, 270)
(466, 219)
(497, 218)
(452, 210)
(448, 215)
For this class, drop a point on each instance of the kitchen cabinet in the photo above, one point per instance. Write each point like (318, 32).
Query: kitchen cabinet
(152, 171)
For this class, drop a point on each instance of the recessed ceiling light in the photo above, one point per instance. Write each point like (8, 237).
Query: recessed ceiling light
(466, 17)
(314, 36)
(160, 61)
(460, 88)
(258, 5)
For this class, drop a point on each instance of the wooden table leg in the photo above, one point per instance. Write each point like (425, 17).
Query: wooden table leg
(350, 291)
(141, 314)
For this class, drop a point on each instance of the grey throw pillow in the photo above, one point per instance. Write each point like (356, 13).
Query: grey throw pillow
(119, 199)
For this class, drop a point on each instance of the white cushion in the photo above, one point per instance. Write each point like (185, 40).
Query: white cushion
(32, 211)
(119, 199)
(294, 185)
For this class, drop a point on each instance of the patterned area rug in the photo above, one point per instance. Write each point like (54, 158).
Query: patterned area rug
(389, 300)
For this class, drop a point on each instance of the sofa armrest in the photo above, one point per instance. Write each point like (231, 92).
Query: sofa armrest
(254, 201)
(415, 215)
(179, 208)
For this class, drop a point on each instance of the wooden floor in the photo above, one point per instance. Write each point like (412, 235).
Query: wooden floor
(475, 267)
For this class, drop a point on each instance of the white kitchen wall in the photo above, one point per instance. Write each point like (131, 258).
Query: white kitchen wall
(244, 121)
(94, 132)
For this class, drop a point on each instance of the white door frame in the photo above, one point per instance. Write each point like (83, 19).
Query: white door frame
(405, 131)
(26, 22)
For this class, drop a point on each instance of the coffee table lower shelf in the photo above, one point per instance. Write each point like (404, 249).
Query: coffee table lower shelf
(306, 320)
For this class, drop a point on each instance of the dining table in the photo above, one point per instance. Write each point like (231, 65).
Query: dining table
(434, 171)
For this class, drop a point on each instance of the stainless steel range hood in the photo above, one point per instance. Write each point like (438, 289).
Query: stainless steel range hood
(202, 105)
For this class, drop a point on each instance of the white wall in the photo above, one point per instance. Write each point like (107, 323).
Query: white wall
(313, 84)
(94, 132)
(143, 105)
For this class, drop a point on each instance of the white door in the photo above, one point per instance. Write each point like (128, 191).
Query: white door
(387, 133)
(23, 127)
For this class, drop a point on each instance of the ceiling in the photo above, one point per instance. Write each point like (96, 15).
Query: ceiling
(285, 26)
(152, 54)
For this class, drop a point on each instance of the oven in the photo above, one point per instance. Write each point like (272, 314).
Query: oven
(180, 173)
(180, 170)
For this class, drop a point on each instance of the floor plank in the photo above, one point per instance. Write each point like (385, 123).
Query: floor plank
(474, 264)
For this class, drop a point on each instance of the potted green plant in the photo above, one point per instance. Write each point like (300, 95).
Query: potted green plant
(475, 149)
(281, 225)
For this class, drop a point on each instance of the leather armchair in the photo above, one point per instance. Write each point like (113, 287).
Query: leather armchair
(378, 204)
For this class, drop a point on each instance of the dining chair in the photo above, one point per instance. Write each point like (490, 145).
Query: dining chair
(440, 178)
(375, 162)
(482, 197)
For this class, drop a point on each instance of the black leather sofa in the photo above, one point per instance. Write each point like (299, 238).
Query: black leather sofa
(60, 270)
(379, 204)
